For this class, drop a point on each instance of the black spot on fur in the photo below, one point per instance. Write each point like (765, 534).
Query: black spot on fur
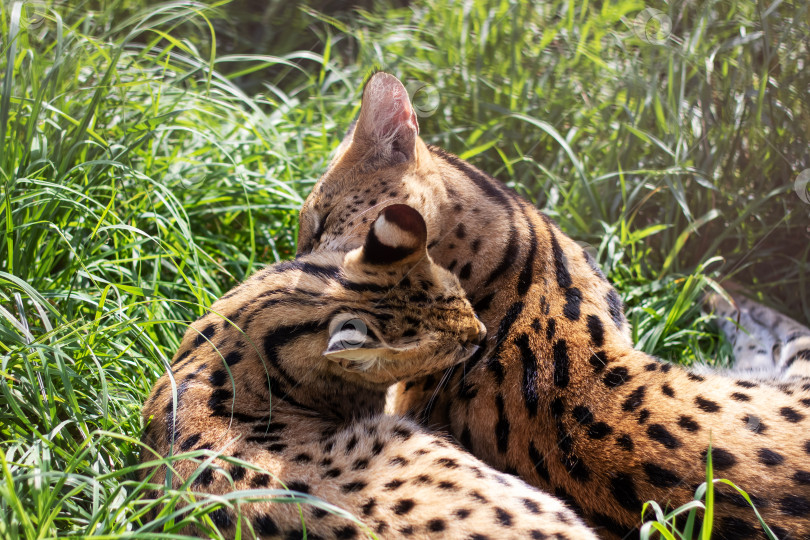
(623, 490)
(598, 361)
(297, 485)
(661, 477)
(531, 506)
(393, 484)
(551, 328)
(462, 513)
(484, 303)
(802, 477)
(398, 461)
(576, 467)
(582, 414)
(661, 434)
(561, 361)
(739, 396)
(667, 390)
(531, 379)
(189, 443)
(599, 430)
(218, 377)
(465, 271)
(346, 532)
(652, 366)
(573, 300)
(265, 525)
(769, 457)
(634, 400)
(560, 263)
(795, 505)
(687, 423)
(205, 478)
(804, 354)
(404, 506)
(237, 472)
(616, 377)
(706, 405)
(615, 308)
(448, 463)
(695, 377)
(721, 459)
(423, 479)
(368, 507)
(791, 415)
(625, 442)
(596, 330)
(353, 487)
(726, 495)
(206, 334)
(436, 525)
(403, 432)
(221, 518)
(260, 480)
(359, 464)
(746, 384)
(503, 517)
(643, 415)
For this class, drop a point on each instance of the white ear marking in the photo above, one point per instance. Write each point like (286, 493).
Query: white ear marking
(392, 235)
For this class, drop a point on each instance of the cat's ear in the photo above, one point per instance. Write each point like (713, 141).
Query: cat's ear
(399, 234)
(387, 126)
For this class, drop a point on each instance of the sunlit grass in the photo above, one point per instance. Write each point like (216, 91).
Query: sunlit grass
(145, 172)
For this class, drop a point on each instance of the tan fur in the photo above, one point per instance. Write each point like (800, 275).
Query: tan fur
(575, 410)
(305, 413)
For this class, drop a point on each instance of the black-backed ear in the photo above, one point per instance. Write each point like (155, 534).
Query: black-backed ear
(399, 233)
(387, 122)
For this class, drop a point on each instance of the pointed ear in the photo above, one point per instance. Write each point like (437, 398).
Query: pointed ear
(397, 235)
(387, 123)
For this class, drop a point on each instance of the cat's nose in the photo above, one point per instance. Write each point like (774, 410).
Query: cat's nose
(478, 335)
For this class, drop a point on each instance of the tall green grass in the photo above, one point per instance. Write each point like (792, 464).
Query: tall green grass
(139, 185)
(145, 172)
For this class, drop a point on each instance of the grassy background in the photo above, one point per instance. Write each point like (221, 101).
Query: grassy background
(153, 155)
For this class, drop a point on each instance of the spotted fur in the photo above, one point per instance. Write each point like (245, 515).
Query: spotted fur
(559, 395)
(288, 374)
(768, 345)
